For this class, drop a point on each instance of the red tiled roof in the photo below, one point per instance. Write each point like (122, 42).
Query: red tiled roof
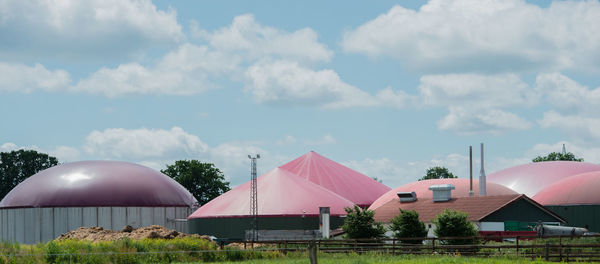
(477, 207)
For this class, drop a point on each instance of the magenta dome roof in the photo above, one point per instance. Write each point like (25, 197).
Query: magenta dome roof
(350, 184)
(98, 183)
(280, 193)
(574, 190)
(533, 177)
(421, 188)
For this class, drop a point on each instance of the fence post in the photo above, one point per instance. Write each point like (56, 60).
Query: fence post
(560, 248)
(394, 246)
(432, 245)
(547, 251)
(312, 252)
(517, 240)
(474, 246)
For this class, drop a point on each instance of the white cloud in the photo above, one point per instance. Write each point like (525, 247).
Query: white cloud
(488, 35)
(8, 146)
(581, 129)
(567, 94)
(66, 154)
(141, 144)
(472, 121)
(327, 139)
(26, 79)
(84, 29)
(474, 90)
(188, 70)
(286, 82)
(247, 36)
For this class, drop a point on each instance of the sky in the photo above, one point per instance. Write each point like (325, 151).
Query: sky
(388, 88)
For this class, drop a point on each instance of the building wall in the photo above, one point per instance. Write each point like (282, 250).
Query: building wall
(33, 225)
(234, 228)
(522, 211)
(579, 215)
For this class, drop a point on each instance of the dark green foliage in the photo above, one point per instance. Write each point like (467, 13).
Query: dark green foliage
(554, 156)
(203, 180)
(451, 223)
(406, 225)
(437, 172)
(359, 223)
(18, 165)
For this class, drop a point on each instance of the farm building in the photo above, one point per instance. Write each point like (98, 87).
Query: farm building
(421, 188)
(531, 178)
(286, 203)
(506, 212)
(289, 198)
(110, 194)
(352, 185)
(575, 198)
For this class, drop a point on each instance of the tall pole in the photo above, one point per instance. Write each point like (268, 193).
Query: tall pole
(482, 180)
(471, 193)
(254, 196)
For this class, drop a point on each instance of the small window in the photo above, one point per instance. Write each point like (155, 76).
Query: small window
(429, 226)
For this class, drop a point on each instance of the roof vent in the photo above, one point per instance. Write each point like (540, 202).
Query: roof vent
(407, 197)
(441, 192)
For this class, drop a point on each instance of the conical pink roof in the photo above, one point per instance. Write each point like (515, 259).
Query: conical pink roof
(280, 193)
(354, 186)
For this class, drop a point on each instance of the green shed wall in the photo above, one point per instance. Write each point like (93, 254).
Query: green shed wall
(235, 228)
(522, 211)
(579, 215)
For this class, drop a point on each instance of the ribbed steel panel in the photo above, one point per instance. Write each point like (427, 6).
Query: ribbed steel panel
(33, 225)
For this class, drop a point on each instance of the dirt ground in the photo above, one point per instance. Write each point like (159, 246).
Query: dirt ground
(95, 234)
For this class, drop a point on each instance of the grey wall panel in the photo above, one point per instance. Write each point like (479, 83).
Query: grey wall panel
(38, 224)
(105, 217)
(160, 216)
(170, 215)
(47, 224)
(30, 223)
(20, 225)
(75, 217)
(90, 216)
(12, 236)
(147, 214)
(119, 218)
(61, 224)
(181, 214)
(3, 225)
(133, 216)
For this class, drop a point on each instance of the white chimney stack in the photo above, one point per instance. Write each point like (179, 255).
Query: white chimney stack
(482, 183)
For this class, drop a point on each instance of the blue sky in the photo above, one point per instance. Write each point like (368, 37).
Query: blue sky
(387, 88)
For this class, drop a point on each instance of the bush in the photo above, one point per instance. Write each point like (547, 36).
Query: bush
(406, 225)
(451, 223)
(359, 223)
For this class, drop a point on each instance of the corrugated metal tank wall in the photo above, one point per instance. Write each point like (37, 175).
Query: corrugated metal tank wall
(33, 225)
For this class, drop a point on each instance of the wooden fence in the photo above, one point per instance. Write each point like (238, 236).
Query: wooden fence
(559, 248)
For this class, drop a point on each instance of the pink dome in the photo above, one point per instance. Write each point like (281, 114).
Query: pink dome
(533, 177)
(280, 193)
(98, 183)
(421, 188)
(350, 184)
(574, 190)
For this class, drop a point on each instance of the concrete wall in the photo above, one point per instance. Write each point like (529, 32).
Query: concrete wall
(33, 225)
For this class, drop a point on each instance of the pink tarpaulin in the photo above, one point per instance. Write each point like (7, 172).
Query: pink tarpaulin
(280, 193)
(354, 186)
(533, 177)
(575, 190)
(421, 188)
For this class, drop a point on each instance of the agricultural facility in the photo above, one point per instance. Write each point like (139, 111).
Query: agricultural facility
(109, 194)
(567, 188)
(289, 198)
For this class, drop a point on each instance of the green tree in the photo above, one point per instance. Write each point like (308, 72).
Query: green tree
(360, 223)
(18, 165)
(557, 156)
(203, 180)
(451, 223)
(406, 225)
(437, 172)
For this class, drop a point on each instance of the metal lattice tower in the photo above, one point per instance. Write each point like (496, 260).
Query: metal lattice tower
(254, 196)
